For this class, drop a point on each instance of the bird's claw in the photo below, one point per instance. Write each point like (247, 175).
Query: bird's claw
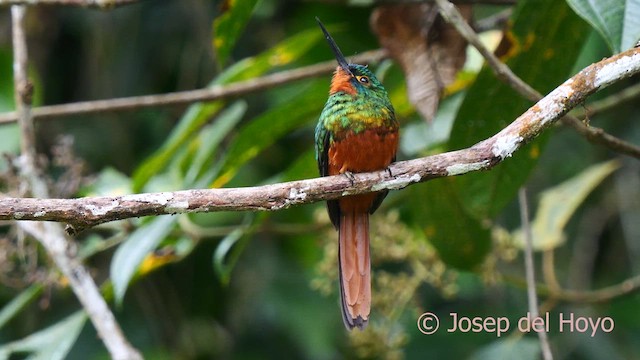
(350, 176)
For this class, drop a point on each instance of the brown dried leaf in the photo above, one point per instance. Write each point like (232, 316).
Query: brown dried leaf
(429, 50)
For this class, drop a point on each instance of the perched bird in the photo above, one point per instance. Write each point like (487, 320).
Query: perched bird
(357, 132)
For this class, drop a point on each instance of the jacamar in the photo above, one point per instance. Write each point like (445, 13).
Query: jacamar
(357, 132)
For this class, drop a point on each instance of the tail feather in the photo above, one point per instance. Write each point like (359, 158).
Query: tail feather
(355, 269)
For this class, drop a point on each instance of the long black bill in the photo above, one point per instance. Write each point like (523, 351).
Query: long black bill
(336, 50)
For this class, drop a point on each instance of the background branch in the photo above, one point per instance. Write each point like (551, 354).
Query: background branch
(532, 297)
(186, 97)
(102, 4)
(597, 296)
(85, 212)
(222, 261)
(601, 295)
(51, 235)
(611, 101)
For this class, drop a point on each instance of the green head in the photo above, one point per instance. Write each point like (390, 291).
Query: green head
(351, 79)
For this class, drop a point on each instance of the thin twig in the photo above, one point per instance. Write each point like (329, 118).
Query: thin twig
(185, 97)
(611, 101)
(494, 21)
(597, 135)
(532, 297)
(602, 295)
(23, 88)
(101, 4)
(606, 294)
(64, 253)
(51, 235)
(549, 270)
(87, 212)
(504, 73)
(451, 14)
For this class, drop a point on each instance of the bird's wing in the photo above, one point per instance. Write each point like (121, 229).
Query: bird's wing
(323, 141)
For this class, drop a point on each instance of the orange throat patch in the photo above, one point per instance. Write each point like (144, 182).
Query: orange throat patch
(341, 81)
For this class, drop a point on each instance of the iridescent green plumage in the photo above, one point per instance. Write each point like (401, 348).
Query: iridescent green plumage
(357, 132)
(368, 108)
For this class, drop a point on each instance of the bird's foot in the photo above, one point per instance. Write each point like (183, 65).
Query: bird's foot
(389, 171)
(350, 176)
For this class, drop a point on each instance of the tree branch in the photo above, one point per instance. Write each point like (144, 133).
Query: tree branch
(494, 21)
(185, 97)
(597, 296)
(611, 101)
(50, 235)
(86, 212)
(504, 73)
(532, 297)
(601, 295)
(101, 4)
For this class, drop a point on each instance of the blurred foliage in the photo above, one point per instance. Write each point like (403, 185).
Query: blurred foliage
(228, 26)
(558, 204)
(264, 285)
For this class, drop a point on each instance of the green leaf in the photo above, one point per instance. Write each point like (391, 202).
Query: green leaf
(461, 240)
(631, 25)
(18, 303)
(304, 166)
(618, 21)
(420, 135)
(51, 343)
(191, 122)
(267, 128)
(7, 102)
(110, 182)
(130, 254)
(198, 114)
(284, 53)
(229, 249)
(228, 27)
(560, 202)
(222, 268)
(9, 133)
(546, 38)
(517, 348)
(210, 138)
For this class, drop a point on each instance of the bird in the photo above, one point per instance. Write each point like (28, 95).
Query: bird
(357, 132)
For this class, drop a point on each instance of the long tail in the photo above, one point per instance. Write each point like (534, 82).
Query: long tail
(355, 269)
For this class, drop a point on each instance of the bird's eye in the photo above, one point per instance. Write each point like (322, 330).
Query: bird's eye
(363, 80)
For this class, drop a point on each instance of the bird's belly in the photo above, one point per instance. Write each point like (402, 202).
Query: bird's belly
(369, 150)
